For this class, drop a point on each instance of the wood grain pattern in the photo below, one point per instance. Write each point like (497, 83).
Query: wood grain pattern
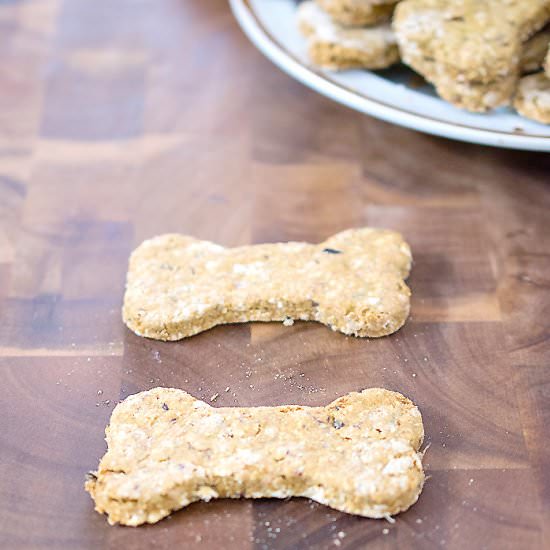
(122, 120)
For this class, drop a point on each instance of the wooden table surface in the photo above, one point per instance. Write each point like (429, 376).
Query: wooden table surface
(122, 120)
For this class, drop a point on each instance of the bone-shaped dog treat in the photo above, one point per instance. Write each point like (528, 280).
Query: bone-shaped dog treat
(336, 47)
(178, 286)
(359, 454)
(469, 49)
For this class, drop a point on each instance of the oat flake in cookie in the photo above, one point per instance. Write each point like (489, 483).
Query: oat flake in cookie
(359, 454)
(353, 282)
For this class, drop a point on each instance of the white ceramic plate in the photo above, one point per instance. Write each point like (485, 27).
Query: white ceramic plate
(271, 26)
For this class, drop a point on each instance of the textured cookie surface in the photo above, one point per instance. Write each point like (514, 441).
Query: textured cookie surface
(178, 286)
(358, 13)
(469, 50)
(359, 454)
(533, 98)
(335, 47)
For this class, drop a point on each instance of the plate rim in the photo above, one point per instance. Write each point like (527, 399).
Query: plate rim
(320, 82)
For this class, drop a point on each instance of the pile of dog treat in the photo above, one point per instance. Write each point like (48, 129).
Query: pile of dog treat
(478, 55)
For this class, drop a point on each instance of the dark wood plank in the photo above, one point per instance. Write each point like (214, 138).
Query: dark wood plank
(119, 121)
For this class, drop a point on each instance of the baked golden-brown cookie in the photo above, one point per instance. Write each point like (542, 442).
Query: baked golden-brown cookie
(359, 454)
(333, 46)
(470, 50)
(353, 282)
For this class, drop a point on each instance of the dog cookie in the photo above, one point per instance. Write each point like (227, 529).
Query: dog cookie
(359, 454)
(178, 286)
(335, 47)
(358, 13)
(533, 98)
(534, 52)
(469, 50)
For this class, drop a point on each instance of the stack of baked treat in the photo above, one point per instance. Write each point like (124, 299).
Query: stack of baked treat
(478, 55)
